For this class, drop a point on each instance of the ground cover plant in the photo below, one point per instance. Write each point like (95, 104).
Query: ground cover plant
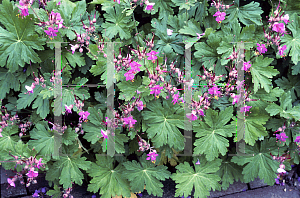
(156, 96)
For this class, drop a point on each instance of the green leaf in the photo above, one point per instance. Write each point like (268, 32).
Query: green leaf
(43, 140)
(261, 73)
(201, 7)
(67, 169)
(191, 28)
(203, 178)
(117, 22)
(72, 13)
(254, 126)
(110, 181)
(229, 172)
(8, 80)
(213, 132)
(291, 84)
(285, 109)
(8, 141)
(296, 69)
(208, 51)
(98, 1)
(177, 21)
(146, 173)
(26, 99)
(18, 40)
(165, 8)
(292, 43)
(93, 127)
(101, 98)
(72, 59)
(259, 162)
(56, 193)
(247, 14)
(70, 170)
(128, 88)
(166, 44)
(69, 136)
(42, 106)
(163, 122)
(183, 4)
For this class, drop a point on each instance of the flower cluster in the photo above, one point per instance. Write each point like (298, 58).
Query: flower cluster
(220, 16)
(276, 30)
(36, 82)
(54, 24)
(134, 69)
(24, 5)
(23, 128)
(281, 170)
(7, 120)
(30, 164)
(282, 136)
(84, 38)
(67, 193)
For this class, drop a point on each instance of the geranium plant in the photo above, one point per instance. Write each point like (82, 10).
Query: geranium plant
(150, 45)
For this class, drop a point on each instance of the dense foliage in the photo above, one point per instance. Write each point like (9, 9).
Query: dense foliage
(151, 105)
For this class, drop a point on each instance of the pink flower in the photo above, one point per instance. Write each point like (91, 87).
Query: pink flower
(278, 27)
(200, 35)
(117, 1)
(130, 121)
(149, 6)
(198, 162)
(30, 89)
(84, 115)
(152, 156)
(220, 16)
(169, 32)
(135, 66)
(281, 50)
(281, 170)
(39, 163)
(282, 136)
(129, 75)
(74, 48)
(24, 5)
(156, 90)
(11, 182)
(51, 32)
(214, 91)
(261, 48)
(191, 116)
(245, 108)
(246, 66)
(235, 98)
(32, 174)
(239, 84)
(24, 10)
(285, 18)
(104, 134)
(297, 139)
(69, 108)
(140, 105)
(152, 55)
(175, 98)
